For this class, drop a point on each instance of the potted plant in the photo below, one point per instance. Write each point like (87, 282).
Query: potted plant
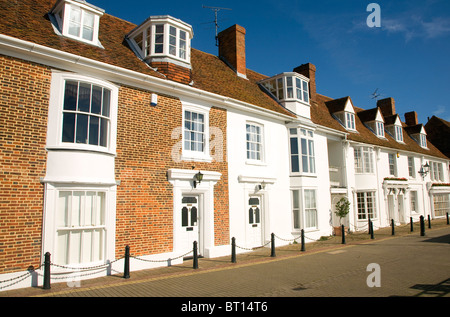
(342, 209)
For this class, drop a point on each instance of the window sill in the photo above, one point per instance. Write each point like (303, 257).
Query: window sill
(193, 157)
(255, 162)
(75, 147)
(312, 175)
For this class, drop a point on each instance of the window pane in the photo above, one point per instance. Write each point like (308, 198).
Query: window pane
(82, 128)
(96, 106)
(68, 133)
(74, 21)
(106, 102)
(93, 130)
(104, 132)
(88, 26)
(70, 95)
(84, 98)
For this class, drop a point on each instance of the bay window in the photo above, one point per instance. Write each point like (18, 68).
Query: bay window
(366, 205)
(304, 209)
(288, 86)
(363, 160)
(302, 151)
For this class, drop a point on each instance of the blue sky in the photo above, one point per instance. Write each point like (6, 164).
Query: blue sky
(407, 58)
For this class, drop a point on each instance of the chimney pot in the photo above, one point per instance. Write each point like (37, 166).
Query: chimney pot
(232, 48)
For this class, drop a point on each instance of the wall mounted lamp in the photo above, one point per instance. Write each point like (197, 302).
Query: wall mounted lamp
(424, 169)
(198, 179)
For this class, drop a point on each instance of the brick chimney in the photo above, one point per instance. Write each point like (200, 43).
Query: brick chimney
(411, 118)
(309, 70)
(387, 106)
(232, 48)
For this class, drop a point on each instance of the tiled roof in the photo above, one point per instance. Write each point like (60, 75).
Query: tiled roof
(28, 20)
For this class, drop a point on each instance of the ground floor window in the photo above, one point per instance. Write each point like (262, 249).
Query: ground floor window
(80, 226)
(366, 205)
(441, 204)
(304, 208)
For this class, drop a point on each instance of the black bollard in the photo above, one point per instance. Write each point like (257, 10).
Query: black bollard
(343, 234)
(126, 268)
(422, 226)
(233, 250)
(371, 230)
(393, 227)
(429, 222)
(303, 240)
(195, 261)
(411, 222)
(447, 219)
(272, 252)
(46, 271)
(368, 225)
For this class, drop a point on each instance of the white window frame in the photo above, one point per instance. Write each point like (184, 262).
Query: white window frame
(51, 227)
(380, 129)
(441, 204)
(398, 133)
(349, 119)
(392, 164)
(249, 141)
(411, 167)
(363, 207)
(436, 171)
(306, 153)
(300, 209)
(189, 155)
(364, 162)
(55, 114)
(289, 86)
(413, 201)
(423, 140)
(63, 12)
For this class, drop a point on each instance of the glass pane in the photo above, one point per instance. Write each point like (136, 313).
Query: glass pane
(184, 217)
(106, 102)
(250, 216)
(103, 132)
(96, 106)
(61, 252)
(70, 95)
(295, 164)
(93, 130)
(68, 133)
(193, 216)
(294, 146)
(84, 99)
(257, 214)
(82, 128)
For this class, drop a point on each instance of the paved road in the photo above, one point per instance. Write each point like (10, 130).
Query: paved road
(409, 265)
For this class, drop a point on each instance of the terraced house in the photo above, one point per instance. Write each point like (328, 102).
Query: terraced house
(114, 134)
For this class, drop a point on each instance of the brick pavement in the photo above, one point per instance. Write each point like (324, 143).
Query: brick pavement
(326, 268)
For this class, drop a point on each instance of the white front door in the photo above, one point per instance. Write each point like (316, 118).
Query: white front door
(254, 224)
(190, 229)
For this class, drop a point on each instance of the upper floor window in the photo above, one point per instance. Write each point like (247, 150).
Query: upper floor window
(392, 164)
(163, 36)
(78, 20)
(347, 119)
(288, 86)
(399, 133)
(86, 113)
(380, 128)
(423, 140)
(254, 142)
(302, 151)
(411, 167)
(195, 133)
(363, 160)
(82, 113)
(436, 171)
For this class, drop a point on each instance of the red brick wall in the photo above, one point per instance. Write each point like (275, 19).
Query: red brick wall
(145, 196)
(24, 95)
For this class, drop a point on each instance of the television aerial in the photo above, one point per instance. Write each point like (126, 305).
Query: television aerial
(375, 94)
(216, 10)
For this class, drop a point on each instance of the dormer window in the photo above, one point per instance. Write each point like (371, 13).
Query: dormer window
(380, 129)
(78, 20)
(161, 37)
(398, 133)
(423, 140)
(288, 86)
